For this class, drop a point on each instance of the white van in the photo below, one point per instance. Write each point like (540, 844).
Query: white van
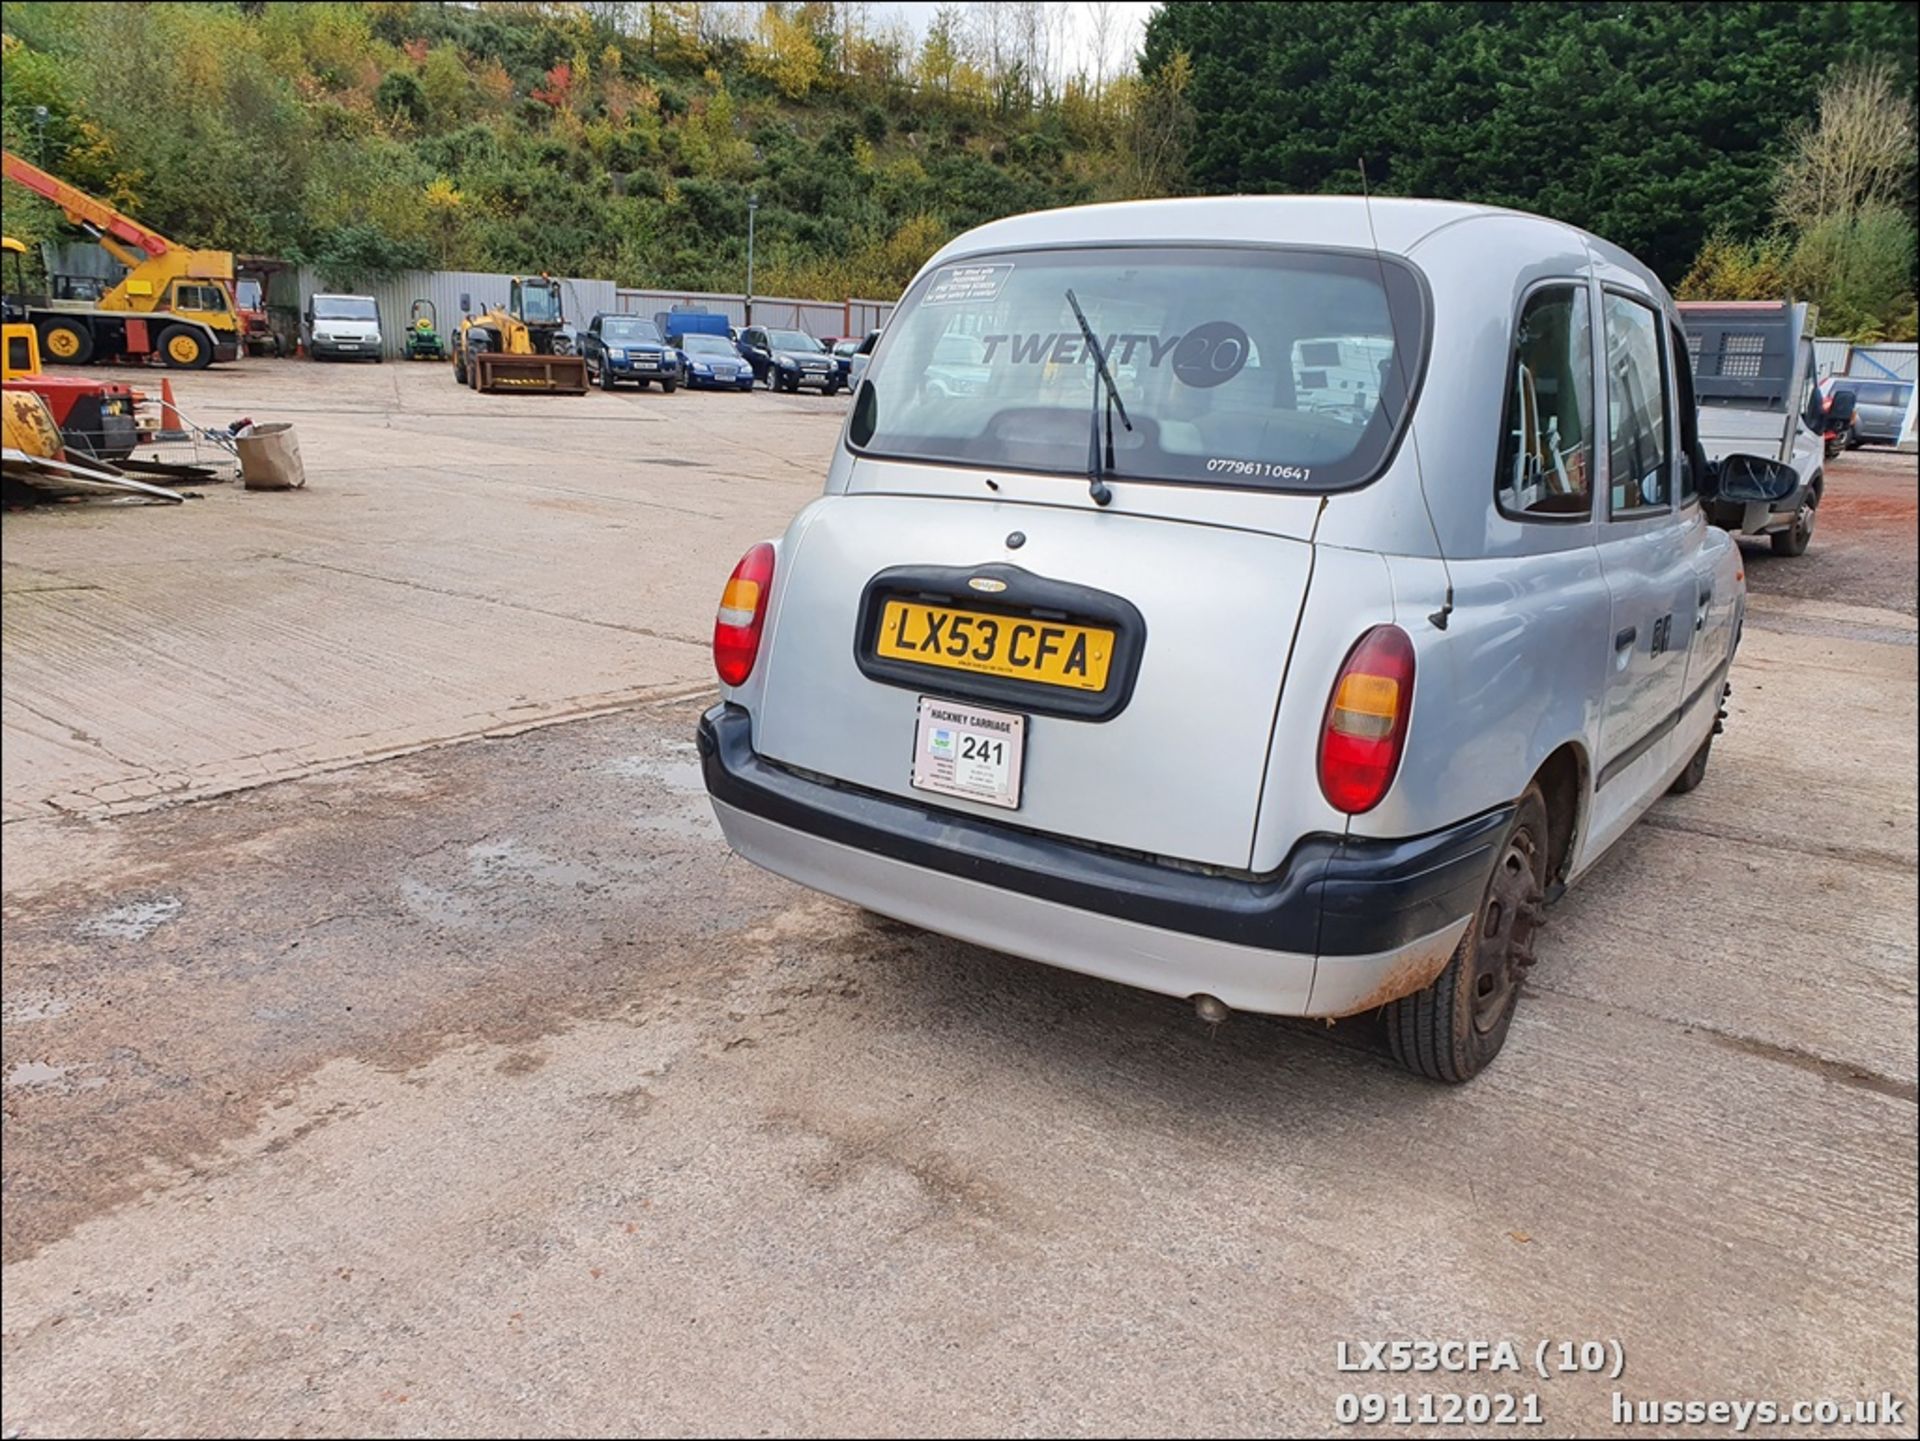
(342, 325)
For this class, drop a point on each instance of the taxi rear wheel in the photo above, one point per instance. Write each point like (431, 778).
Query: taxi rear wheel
(1696, 771)
(1454, 1028)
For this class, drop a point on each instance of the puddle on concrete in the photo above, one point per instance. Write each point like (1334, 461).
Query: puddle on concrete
(134, 921)
(488, 860)
(689, 823)
(678, 770)
(18, 1012)
(435, 906)
(44, 1074)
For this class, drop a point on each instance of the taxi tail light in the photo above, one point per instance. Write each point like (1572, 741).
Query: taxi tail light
(742, 613)
(1365, 730)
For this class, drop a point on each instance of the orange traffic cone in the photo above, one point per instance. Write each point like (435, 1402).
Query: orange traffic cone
(169, 415)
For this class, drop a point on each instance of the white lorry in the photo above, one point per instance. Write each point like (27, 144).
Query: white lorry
(1758, 394)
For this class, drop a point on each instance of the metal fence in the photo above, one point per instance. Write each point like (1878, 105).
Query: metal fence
(454, 293)
(816, 317)
(1884, 362)
(1892, 360)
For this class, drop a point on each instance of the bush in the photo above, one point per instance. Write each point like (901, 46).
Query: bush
(400, 93)
(347, 255)
(1860, 269)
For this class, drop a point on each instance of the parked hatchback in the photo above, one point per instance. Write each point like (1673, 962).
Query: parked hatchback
(1289, 603)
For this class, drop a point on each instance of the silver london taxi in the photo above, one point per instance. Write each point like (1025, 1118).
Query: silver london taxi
(1272, 602)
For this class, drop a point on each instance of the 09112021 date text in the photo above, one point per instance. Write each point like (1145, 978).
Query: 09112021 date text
(1437, 1408)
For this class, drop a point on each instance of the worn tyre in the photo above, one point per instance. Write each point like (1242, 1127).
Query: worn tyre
(66, 342)
(184, 348)
(1455, 1027)
(459, 367)
(1696, 771)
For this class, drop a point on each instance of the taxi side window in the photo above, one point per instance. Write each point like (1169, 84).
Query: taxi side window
(1639, 446)
(1546, 447)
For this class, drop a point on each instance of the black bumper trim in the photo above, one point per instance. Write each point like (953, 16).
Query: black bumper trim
(1333, 896)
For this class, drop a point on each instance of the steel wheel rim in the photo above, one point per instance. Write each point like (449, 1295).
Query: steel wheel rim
(183, 348)
(1503, 946)
(63, 342)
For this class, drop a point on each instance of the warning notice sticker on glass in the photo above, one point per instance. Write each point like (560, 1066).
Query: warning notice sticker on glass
(953, 284)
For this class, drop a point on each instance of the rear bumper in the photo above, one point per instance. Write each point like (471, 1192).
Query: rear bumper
(1342, 926)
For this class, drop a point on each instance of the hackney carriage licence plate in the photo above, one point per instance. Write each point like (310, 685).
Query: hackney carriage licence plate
(968, 751)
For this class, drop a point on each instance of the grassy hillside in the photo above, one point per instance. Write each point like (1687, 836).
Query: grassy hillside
(611, 140)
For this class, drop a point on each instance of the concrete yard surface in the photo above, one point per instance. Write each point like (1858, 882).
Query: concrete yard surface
(437, 1071)
(458, 563)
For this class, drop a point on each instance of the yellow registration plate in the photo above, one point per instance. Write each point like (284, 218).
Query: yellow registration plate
(1016, 647)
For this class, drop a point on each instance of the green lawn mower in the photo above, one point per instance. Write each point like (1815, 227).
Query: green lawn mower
(423, 333)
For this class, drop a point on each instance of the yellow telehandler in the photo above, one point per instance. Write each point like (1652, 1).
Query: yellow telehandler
(519, 346)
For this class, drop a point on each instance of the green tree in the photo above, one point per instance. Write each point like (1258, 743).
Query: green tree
(448, 87)
(400, 94)
(1654, 125)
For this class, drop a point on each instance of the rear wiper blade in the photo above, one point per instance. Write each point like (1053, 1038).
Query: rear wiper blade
(1096, 471)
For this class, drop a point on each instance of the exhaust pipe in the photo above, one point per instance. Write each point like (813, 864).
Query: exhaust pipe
(1211, 1009)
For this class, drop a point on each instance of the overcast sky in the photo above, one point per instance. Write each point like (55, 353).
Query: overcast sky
(1128, 27)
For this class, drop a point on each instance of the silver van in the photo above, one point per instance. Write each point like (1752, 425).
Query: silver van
(1880, 408)
(1269, 602)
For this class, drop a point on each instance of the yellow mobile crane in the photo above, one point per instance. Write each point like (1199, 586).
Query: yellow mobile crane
(173, 302)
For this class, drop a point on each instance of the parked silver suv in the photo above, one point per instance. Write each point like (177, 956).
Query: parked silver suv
(1289, 603)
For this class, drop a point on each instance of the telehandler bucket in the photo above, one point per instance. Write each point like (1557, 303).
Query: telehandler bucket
(495, 372)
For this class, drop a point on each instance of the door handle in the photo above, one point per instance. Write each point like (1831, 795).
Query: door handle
(1625, 638)
(1700, 615)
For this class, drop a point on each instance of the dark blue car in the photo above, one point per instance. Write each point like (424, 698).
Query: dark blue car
(789, 359)
(710, 362)
(620, 348)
